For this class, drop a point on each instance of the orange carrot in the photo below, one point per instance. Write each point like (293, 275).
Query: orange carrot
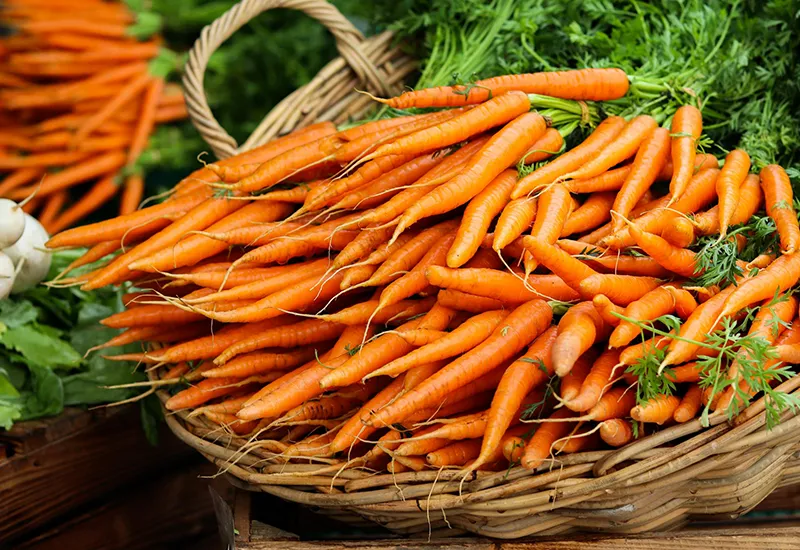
(578, 330)
(687, 125)
(100, 193)
(258, 362)
(594, 212)
(551, 143)
(689, 404)
(659, 301)
(616, 432)
(608, 310)
(538, 448)
(780, 206)
(494, 112)
(478, 216)
(570, 383)
(570, 270)
(131, 89)
(750, 199)
(731, 178)
(495, 284)
(146, 122)
(551, 214)
(657, 410)
(620, 289)
(650, 159)
(132, 194)
(516, 217)
(463, 301)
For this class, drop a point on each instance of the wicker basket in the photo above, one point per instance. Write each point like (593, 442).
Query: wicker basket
(686, 472)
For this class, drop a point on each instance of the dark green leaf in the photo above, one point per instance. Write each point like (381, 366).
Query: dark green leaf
(39, 348)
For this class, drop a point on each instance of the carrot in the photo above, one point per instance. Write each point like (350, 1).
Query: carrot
(583, 440)
(702, 322)
(478, 216)
(195, 248)
(551, 143)
(601, 258)
(687, 125)
(146, 122)
(616, 432)
(494, 112)
(578, 330)
(570, 383)
(607, 310)
(538, 447)
(570, 270)
(659, 301)
(52, 207)
(204, 391)
(364, 311)
(255, 282)
(356, 275)
(611, 180)
(750, 199)
(583, 84)
(689, 405)
(516, 217)
(604, 134)
(779, 276)
(455, 454)
(495, 284)
(18, 178)
(647, 164)
(551, 214)
(461, 340)
(594, 384)
(624, 145)
(780, 206)
(657, 410)
(516, 331)
(100, 193)
(84, 170)
(421, 337)
(258, 362)
(421, 447)
(678, 232)
(130, 90)
(132, 194)
(463, 301)
(620, 289)
(731, 178)
(594, 212)
(501, 151)
(8, 162)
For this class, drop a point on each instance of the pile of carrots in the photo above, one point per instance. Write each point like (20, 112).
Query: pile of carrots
(80, 94)
(395, 296)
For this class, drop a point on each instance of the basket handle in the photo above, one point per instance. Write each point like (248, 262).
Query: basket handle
(349, 42)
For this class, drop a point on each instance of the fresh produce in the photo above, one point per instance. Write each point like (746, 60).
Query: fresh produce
(580, 323)
(12, 222)
(85, 88)
(44, 334)
(29, 255)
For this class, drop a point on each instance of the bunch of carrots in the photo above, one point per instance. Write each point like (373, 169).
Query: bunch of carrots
(82, 87)
(396, 296)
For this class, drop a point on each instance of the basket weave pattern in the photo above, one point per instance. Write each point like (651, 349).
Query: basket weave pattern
(659, 482)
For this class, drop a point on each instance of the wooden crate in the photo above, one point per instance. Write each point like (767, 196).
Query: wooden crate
(775, 525)
(90, 480)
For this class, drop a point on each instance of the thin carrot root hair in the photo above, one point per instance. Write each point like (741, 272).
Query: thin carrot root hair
(573, 435)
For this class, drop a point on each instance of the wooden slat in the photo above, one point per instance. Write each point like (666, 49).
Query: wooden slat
(171, 511)
(60, 465)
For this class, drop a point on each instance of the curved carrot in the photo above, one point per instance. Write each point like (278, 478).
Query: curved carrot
(689, 405)
(616, 432)
(584, 84)
(687, 125)
(731, 178)
(554, 206)
(679, 231)
(605, 132)
(593, 213)
(607, 309)
(455, 454)
(659, 301)
(750, 199)
(678, 260)
(498, 285)
(463, 301)
(494, 112)
(779, 276)
(779, 201)
(570, 384)
(647, 164)
(570, 270)
(595, 382)
(578, 330)
(538, 447)
(259, 362)
(478, 216)
(516, 217)
(657, 410)
(501, 151)
(551, 143)
(620, 289)
(615, 262)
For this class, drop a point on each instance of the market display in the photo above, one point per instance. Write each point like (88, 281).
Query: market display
(363, 309)
(83, 88)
